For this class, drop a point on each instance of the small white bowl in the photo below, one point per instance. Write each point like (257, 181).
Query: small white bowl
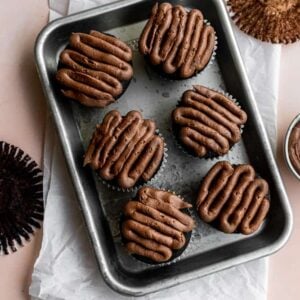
(286, 146)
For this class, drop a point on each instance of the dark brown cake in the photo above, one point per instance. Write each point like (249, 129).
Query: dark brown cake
(177, 40)
(207, 123)
(125, 150)
(94, 69)
(233, 197)
(294, 147)
(154, 224)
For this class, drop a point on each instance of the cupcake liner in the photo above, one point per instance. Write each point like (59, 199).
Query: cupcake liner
(268, 21)
(115, 187)
(210, 155)
(174, 77)
(21, 198)
(177, 254)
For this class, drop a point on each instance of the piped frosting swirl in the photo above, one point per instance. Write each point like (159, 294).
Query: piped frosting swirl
(207, 121)
(155, 224)
(234, 197)
(94, 68)
(177, 40)
(125, 149)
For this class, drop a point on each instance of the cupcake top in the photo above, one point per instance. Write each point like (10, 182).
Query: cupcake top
(155, 224)
(234, 197)
(94, 68)
(294, 147)
(207, 121)
(125, 149)
(177, 39)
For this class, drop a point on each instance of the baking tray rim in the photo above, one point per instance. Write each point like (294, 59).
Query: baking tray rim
(106, 273)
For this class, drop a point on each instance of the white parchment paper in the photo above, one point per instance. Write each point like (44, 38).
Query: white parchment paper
(66, 267)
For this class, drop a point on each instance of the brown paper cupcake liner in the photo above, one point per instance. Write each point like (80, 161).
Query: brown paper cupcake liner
(210, 155)
(215, 223)
(115, 187)
(274, 21)
(21, 198)
(177, 254)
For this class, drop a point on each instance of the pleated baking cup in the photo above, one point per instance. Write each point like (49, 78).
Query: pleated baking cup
(21, 198)
(269, 21)
(174, 77)
(177, 253)
(210, 155)
(215, 223)
(113, 184)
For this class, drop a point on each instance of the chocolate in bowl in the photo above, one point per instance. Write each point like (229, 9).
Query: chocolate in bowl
(292, 147)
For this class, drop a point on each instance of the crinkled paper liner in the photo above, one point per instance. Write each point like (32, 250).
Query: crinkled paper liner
(158, 173)
(187, 247)
(21, 198)
(270, 22)
(211, 156)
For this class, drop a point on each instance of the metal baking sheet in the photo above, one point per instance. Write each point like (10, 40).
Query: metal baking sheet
(209, 250)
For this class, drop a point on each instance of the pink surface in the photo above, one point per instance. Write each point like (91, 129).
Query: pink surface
(22, 116)
(22, 123)
(284, 272)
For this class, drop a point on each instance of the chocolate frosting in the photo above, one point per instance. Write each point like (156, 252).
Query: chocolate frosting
(177, 40)
(208, 121)
(154, 224)
(234, 197)
(94, 67)
(294, 147)
(125, 149)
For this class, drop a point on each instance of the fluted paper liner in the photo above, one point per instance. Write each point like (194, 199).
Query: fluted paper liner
(274, 21)
(21, 198)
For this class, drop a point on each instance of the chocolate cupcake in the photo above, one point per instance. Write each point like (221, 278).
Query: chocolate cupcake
(125, 151)
(95, 68)
(155, 229)
(207, 123)
(234, 198)
(177, 42)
